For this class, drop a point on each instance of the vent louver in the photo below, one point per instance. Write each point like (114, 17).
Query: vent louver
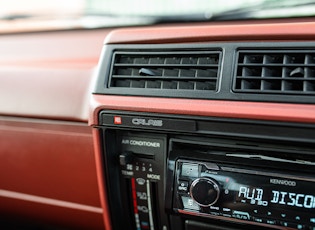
(166, 71)
(282, 71)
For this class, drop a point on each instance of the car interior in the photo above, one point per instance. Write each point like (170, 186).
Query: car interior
(168, 115)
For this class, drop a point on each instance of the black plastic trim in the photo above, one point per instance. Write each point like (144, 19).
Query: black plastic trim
(227, 73)
(235, 128)
(167, 71)
(218, 139)
(273, 71)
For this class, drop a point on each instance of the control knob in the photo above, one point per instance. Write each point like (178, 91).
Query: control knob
(205, 191)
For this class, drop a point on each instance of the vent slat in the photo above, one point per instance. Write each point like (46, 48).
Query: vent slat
(167, 65)
(166, 71)
(275, 71)
(274, 65)
(164, 78)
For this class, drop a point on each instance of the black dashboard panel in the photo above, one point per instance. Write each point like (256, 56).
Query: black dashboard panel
(189, 172)
(251, 71)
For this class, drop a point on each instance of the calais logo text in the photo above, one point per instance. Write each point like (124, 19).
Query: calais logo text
(147, 122)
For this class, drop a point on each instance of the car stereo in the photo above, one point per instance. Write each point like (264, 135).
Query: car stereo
(227, 192)
(188, 172)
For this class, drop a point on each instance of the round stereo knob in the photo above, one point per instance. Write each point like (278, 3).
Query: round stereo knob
(204, 191)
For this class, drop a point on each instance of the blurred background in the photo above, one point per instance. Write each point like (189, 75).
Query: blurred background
(34, 15)
(43, 15)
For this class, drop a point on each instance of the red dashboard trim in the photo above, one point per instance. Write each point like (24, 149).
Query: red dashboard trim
(212, 108)
(25, 212)
(48, 155)
(101, 178)
(48, 74)
(261, 31)
(49, 201)
(73, 63)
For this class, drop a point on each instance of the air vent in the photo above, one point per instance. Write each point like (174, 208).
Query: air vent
(284, 72)
(190, 71)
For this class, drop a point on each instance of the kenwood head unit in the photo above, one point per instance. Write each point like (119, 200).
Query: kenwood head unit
(189, 172)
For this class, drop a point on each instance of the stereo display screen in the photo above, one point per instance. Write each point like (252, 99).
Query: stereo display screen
(268, 198)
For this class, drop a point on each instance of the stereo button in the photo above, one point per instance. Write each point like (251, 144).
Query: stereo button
(182, 186)
(271, 222)
(190, 170)
(189, 203)
(257, 219)
(292, 225)
(241, 215)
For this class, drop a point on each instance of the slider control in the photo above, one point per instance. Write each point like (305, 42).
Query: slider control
(125, 158)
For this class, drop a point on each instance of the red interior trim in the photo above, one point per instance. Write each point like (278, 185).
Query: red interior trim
(269, 30)
(212, 108)
(73, 63)
(101, 179)
(35, 212)
(53, 160)
(48, 172)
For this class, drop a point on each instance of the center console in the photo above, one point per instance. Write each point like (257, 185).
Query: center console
(189, 172)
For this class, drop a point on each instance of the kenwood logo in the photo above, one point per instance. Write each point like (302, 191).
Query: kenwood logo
(283, 182)
(147, 122)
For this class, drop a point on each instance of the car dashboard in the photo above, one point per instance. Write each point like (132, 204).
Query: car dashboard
(184, 126)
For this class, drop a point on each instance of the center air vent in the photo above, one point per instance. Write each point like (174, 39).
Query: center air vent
(282, 71)
(192, 71)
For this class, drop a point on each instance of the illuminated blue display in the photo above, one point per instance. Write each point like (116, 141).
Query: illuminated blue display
(256, 196)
